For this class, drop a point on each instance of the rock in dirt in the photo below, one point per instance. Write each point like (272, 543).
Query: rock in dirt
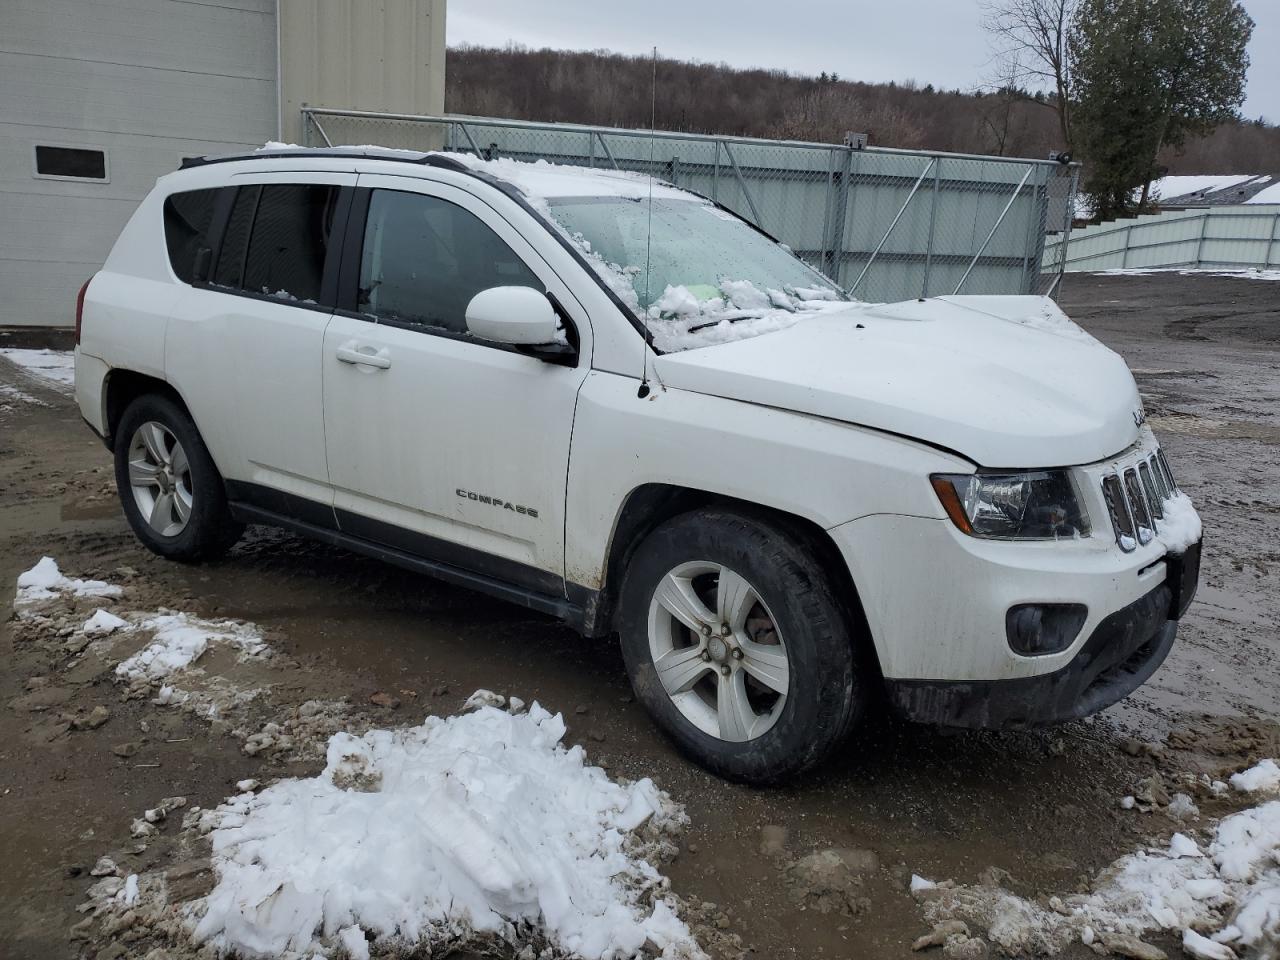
(189, 880)
(126, 750)
(41, 698)
(440, 690)
(1128, 946)
(384, 699)
(773, 840)
(105, 867)
(831, 881)
(965, 948)
(162, 809)
(95, 718)
(938, 935)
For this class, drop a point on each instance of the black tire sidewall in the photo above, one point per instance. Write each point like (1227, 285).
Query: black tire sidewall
(209, 531)
(827, 692)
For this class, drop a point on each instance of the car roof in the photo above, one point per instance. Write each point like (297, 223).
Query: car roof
(535, 179)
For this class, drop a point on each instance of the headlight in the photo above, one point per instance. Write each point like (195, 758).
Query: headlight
(1039, 505)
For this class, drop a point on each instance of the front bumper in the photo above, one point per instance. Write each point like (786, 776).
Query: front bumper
(1120, 655)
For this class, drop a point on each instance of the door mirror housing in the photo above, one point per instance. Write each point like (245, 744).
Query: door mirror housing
(520, 316)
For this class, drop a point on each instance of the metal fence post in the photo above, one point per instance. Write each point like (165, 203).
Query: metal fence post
(1204, 228)
(933, 224)
(715, 175)
(994, 227)
(1128, 237)
(675, 171)
(1275, 236)
(837, 210)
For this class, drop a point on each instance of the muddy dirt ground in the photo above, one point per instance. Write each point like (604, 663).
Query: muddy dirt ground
(1042, 806)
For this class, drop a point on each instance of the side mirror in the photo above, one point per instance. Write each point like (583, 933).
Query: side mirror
(521, 316)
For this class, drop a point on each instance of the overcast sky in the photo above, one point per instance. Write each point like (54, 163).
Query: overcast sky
(931, 41)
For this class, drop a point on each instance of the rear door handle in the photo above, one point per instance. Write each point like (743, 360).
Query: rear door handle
(364, 356)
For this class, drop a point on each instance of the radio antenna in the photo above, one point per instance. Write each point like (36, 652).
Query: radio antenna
(648, 240)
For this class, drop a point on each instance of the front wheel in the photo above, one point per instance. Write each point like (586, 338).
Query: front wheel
(172, 494)
(736, 643)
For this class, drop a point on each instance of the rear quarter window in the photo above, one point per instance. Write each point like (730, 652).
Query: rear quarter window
(187, 217)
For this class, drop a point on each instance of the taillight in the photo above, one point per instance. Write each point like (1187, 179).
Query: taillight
(80, 308)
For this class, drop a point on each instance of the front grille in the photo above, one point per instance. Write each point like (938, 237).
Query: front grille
(1135, 497)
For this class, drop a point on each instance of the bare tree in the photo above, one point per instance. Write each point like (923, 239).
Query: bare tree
(1030, 40)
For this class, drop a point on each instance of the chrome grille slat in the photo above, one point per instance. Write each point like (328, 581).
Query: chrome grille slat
(1155, 499)
(1134, 494)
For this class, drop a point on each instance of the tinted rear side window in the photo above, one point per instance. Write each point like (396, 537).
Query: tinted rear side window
(235, 238)
(187, 217)
(289, 241)
(425, 258)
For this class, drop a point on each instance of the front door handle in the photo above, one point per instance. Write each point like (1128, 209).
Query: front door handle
(365, 356)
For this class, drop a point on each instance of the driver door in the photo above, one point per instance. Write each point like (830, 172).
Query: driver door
(440, 444)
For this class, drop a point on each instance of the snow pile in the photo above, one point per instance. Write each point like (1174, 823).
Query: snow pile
(180, 639)
(104, 622)
(55, 366)
(1181, 525)
(476, 826)
(1226, 894)
(1265, 777)
(45, 581)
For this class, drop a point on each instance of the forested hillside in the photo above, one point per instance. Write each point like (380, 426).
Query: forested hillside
(599, 87)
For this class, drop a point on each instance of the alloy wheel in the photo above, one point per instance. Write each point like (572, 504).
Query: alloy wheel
(718, 651)
(160, 478)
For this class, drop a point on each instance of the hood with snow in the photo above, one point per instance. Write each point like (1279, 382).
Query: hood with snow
(1006, 381)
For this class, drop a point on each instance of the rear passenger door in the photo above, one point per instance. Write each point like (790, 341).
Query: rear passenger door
(249, 341)
(441, 444)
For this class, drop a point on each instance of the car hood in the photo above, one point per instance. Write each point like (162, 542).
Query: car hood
(1006, 381)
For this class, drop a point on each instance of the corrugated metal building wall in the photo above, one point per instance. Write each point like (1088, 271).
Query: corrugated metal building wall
(141, 84)
(1239, 236)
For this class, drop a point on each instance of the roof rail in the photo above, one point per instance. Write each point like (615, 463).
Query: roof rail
(402, 156)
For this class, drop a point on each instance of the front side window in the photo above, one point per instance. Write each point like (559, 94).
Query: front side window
(289, 241)
(425, 258)
(187, 217)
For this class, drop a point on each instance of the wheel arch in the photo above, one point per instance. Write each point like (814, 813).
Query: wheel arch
(650, 505)
(122, 386)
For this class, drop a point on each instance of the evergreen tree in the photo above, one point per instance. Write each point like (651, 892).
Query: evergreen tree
(1148, 74)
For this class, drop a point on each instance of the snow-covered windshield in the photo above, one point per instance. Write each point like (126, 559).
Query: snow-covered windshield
(712, 278)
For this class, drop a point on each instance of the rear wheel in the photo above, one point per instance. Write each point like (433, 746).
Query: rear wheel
(737, 645)
(172, 493)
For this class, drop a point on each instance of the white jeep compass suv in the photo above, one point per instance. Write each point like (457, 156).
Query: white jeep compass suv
(616, 402)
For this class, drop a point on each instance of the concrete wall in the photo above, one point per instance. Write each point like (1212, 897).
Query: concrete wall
(386, 56)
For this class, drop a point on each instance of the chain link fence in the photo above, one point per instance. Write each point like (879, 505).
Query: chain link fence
(884, 224)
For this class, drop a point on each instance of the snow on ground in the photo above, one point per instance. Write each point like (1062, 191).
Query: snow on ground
(1180, 527)
(1244, 273)
(179, 639)
(480, 825)
(56, 366)
(1221, 892)
(45, 581)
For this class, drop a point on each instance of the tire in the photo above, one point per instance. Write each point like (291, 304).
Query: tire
(790, 607)
(156, 433)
